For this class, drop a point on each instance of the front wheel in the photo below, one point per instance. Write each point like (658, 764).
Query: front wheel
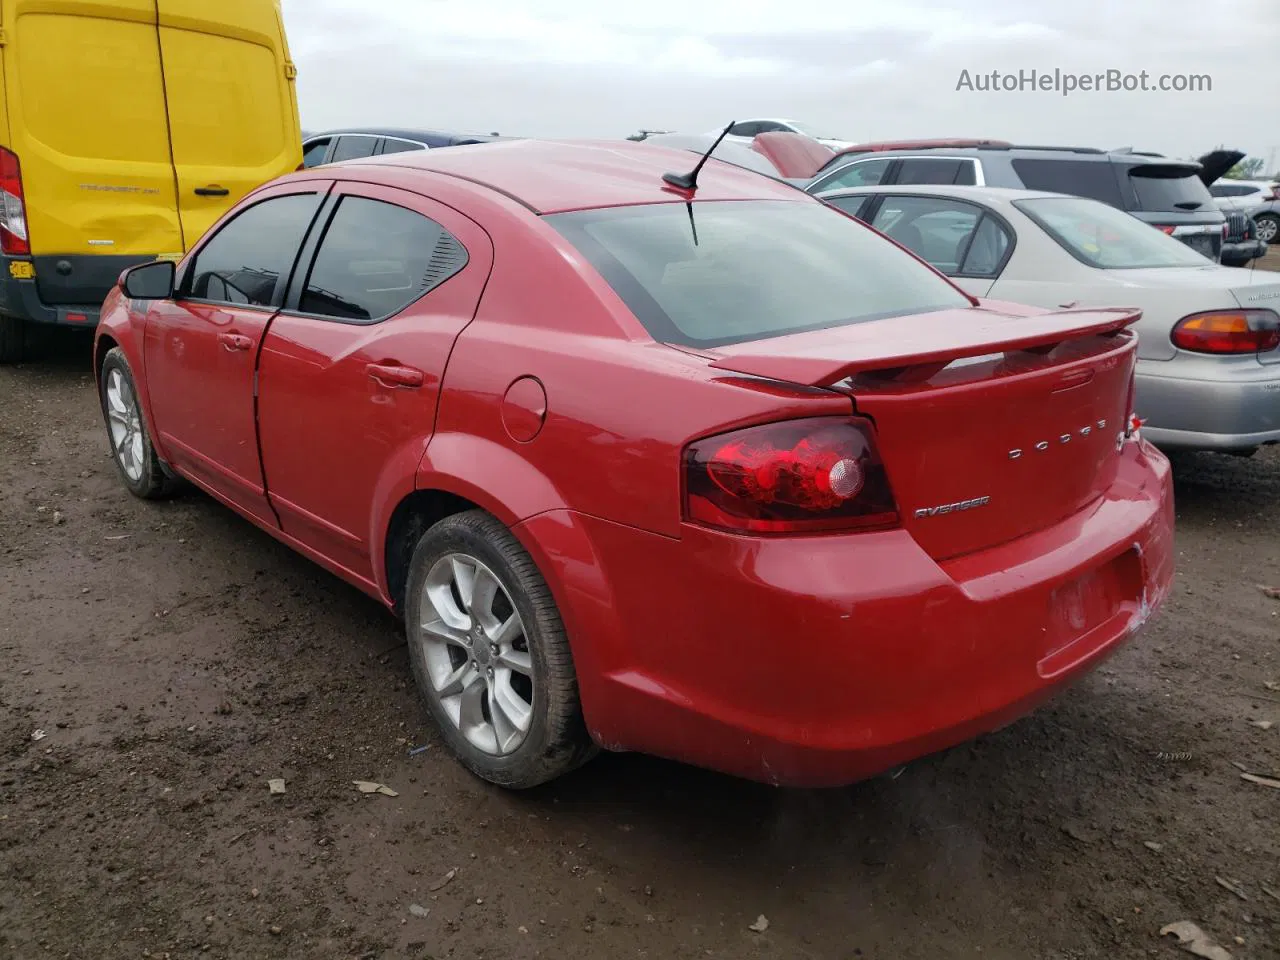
(127, 432)
(1268, 227)
(490, 655)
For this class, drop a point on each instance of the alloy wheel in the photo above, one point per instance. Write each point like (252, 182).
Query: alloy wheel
(1267, 229)
(124, 421)
(477, 654)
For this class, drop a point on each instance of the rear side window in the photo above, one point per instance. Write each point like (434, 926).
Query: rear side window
(375, 259)
(353, 147)
(245, 260)
(1095, 179)
(400, 146)
(1160, 188)
(719, 272)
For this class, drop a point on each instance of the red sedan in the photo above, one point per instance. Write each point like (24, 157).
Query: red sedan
(708, 471)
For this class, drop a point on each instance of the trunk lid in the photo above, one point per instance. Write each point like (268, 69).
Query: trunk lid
(796, 156)
(991, 425)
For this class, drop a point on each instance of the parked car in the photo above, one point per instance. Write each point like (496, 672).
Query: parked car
(1168, 194)
(750, 129)
(606, 442)
(1259, 199)
(109, 157)
(335, 146)
(733, 151)
(1208, 372)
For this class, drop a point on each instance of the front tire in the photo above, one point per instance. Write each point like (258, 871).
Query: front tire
(490, 655)
(127, 432)
(1268, 227)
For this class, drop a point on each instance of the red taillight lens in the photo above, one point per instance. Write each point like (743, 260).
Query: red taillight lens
(1164, 229)
(1228, 331)
(13, 211)
(798, 476)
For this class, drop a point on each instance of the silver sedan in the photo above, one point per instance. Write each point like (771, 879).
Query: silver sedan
(1208, 374)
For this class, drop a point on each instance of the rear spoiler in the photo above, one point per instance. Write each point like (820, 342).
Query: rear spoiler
(824, 357)
(795, 156)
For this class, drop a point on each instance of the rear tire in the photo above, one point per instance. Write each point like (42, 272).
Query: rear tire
(13, 340)
(127, 432)
(490, 655)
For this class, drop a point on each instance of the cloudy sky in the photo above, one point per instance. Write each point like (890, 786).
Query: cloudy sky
(860, 69)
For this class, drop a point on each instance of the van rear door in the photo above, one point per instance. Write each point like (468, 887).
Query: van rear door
(87, 123)
(232, 106)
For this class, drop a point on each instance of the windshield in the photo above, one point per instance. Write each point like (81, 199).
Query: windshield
(1104, 237)
(718, 272)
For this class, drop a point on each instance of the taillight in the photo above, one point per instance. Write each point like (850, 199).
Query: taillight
(797, 476)
(1164, 229)
(13, 210)
(1228, 331)
(1226, 230)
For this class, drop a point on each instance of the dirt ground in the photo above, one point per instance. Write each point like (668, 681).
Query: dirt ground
(176, 659)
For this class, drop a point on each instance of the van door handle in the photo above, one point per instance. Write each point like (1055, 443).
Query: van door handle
(235, 341)
(391, 375)
(212, 191)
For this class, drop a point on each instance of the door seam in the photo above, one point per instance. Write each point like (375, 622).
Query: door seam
(168, 126)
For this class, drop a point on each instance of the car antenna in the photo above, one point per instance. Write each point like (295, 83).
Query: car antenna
(689, 181)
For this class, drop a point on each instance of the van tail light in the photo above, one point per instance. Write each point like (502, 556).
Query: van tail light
(13, 209)
(1228, 331)
(797, 476)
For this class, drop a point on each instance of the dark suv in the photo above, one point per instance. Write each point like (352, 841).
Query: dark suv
(1168, 194)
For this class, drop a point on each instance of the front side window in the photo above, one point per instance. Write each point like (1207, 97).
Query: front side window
(864, 173)
(718, 272)
(314, 153)
(244, 261)
(924, 170)
(375, 259)
(400, 146)
(1105, 237)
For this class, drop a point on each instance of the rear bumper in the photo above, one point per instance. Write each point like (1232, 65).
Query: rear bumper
(1207, 414)
(820, 661)
(1244, 251)
(66, 291)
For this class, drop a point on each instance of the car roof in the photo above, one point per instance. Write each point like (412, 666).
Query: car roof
(998, 196)
(554, 176)
(405, 133)
(975, 148)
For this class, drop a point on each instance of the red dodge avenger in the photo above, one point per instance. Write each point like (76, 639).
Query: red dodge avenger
(651, 459)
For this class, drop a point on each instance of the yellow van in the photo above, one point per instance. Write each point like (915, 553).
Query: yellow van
(127, 127)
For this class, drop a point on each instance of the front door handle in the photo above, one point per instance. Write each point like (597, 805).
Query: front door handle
(235, 341)
(212, 191)
(393, 375)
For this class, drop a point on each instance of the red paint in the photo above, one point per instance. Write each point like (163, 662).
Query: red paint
(793, 154)
(806, 658)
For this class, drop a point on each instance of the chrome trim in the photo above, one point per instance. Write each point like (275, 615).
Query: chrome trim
(979, 178)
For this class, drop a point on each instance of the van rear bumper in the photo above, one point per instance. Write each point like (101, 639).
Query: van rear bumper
(61, 290)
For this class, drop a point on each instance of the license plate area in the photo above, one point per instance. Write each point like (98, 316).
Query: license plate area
(1201, 243)
(1086, 612)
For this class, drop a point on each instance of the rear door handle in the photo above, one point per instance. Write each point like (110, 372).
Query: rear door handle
(235, 341)
(392, 375)
(212, 191)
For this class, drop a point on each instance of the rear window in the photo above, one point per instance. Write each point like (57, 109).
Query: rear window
(1104, 237)
(706, 274)
(1095, 179)
(1162, 189)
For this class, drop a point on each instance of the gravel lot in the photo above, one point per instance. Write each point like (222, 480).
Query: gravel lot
(175, 659)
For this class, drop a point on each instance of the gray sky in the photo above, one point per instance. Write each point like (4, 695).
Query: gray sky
(861, 69)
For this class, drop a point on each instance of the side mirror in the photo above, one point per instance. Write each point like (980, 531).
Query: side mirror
(150, 281)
